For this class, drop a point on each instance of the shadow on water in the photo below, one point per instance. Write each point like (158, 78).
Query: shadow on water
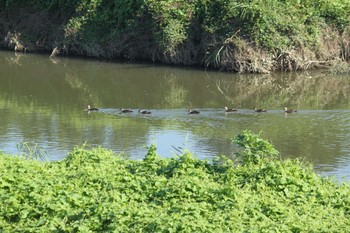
(43, 101)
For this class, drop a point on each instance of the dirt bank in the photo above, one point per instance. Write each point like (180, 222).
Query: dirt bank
(41, 31)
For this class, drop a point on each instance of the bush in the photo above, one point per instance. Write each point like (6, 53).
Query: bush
(273, 24)
(96, 190)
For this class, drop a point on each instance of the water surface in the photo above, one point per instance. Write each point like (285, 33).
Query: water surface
(42, 101)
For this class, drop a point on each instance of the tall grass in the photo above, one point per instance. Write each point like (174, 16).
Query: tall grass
(32, 151)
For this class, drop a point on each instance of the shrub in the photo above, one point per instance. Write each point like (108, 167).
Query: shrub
(93, 189)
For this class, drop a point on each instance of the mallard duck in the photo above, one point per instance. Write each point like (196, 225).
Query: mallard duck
(286, 110)
(125, 110)
(144, 111)
(193, 111)
(230, 109)
(89, 108)
(260, 110)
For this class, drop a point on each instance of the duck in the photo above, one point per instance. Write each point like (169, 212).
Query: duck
(286, 110)
(260, 110)
(144, 111)
(89, 108)
(230, 109)
(125, 110)
(190, 111)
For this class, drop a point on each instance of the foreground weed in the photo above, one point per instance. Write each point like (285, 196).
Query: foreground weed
(95, 190)
(32, 151)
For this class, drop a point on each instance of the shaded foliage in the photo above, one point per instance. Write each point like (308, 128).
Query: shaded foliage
(202, 32)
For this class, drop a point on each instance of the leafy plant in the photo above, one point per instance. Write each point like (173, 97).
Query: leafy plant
(254, 148)
(94, 190)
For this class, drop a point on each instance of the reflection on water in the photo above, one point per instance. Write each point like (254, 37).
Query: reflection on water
(43, 101)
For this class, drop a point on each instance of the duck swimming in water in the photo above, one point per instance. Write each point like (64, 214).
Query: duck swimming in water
(89, 108)
(260, 110)
(286, 110)
(193, 111)
(230, 109)
(144, 111)
(125, 110)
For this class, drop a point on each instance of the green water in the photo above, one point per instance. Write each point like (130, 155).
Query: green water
(42, 102)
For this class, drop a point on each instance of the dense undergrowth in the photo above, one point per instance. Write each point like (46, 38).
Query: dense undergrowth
(242, 36)
(94, 190)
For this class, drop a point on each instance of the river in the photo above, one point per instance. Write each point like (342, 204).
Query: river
(42, 104)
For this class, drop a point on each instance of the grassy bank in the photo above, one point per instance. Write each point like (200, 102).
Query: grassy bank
(239, 36)
(96, 190)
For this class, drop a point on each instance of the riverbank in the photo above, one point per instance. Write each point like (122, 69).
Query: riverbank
(257, 37)
(96, 190)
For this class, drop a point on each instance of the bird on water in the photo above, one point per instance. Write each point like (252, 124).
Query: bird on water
(89, 108)
(260, 110)
(286, 110)
(193, 111)
(144, 111)
(125, 110)
(230, 109)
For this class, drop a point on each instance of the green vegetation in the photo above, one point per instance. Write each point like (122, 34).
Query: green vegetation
(94, 190)
(243, 36)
